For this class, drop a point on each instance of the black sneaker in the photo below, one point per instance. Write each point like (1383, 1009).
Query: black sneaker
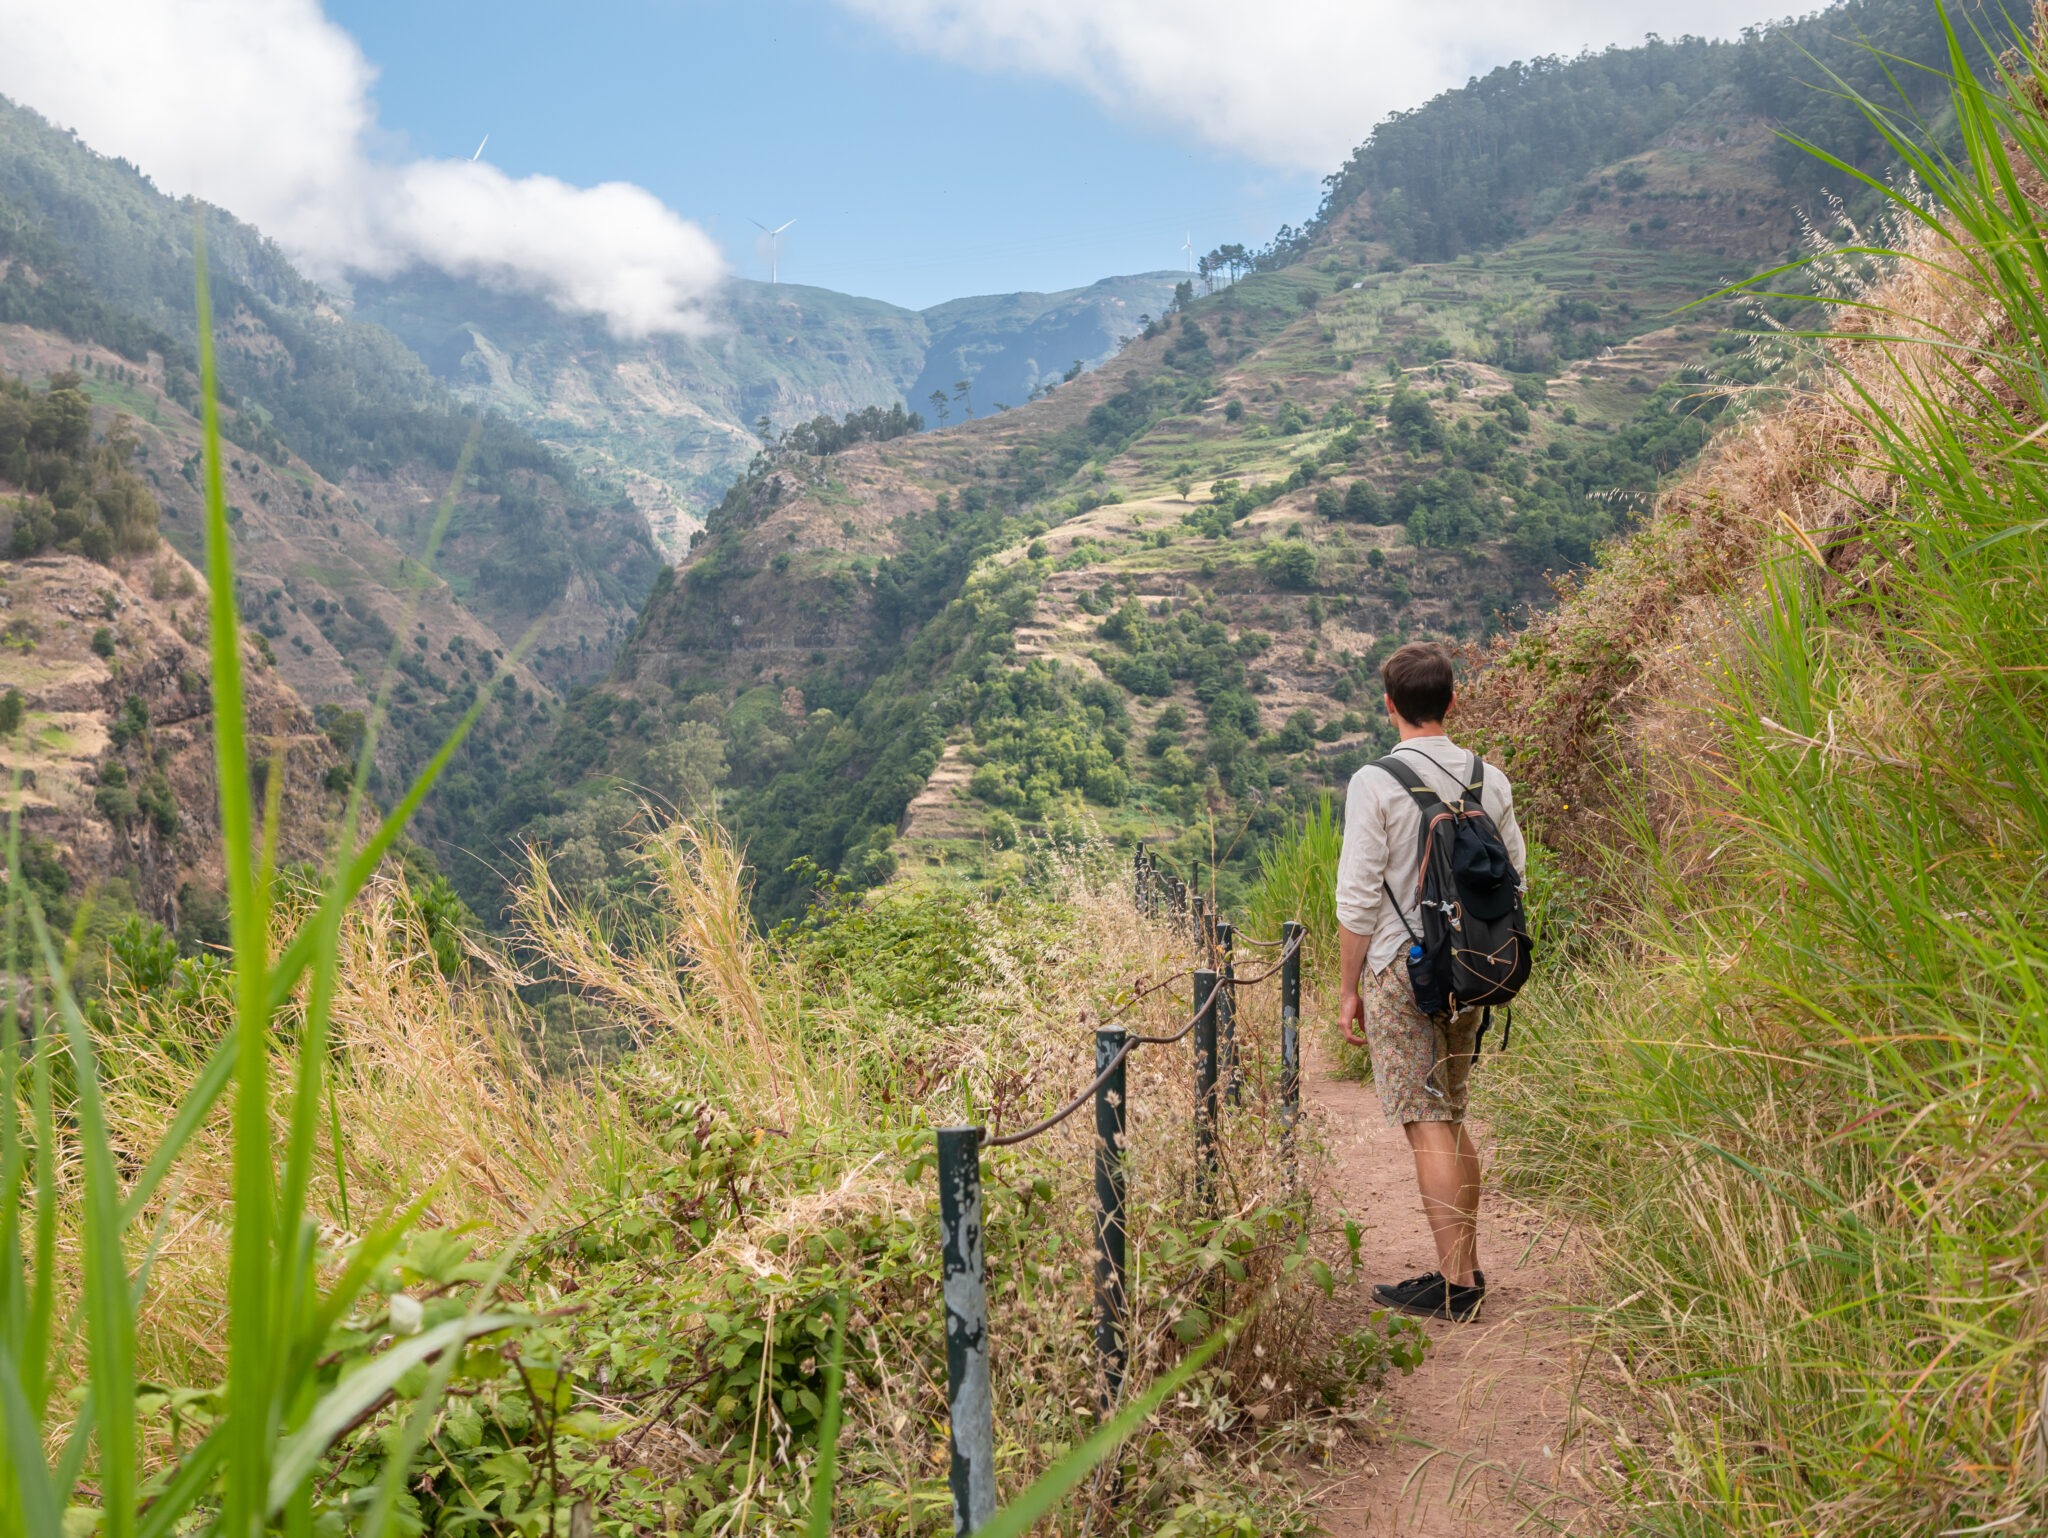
(1414, 1290)
(1431, 1297)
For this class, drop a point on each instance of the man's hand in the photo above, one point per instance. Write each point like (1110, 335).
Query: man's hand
(1352, 948)
(1351, 1016)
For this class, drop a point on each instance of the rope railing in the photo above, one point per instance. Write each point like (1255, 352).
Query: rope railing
(1211, 1005)
(962, 1259)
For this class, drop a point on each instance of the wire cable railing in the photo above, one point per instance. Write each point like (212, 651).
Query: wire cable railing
(963, 1263)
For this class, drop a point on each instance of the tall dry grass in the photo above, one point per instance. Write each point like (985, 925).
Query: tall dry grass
(430, 1093)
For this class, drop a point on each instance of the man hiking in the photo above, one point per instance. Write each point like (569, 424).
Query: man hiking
(1421, 1065)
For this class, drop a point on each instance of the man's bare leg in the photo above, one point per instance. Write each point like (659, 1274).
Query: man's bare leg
(1447, 1170)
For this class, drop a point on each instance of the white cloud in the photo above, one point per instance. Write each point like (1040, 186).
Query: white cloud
(1292, 83)
(264, 107)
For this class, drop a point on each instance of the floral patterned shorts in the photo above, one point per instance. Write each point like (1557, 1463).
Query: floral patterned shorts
(1422, 1070)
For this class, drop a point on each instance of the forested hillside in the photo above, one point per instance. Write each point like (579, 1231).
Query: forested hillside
(1508, 152)
(1147, 598)
(106, 694)
(343, 447)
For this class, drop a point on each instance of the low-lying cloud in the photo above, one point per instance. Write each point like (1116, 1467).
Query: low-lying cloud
(264, 107)
(1295, 84)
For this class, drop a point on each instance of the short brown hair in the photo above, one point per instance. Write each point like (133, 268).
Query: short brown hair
(1419, 680)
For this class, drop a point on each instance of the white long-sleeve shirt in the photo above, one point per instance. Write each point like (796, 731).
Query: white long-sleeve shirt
(1381, 826)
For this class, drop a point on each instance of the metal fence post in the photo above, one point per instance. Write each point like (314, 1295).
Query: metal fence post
(1205, 1082)
(963, 1272)
(1291, 937)
(1226, 1005)
(1202, 925)
(1110, 1229)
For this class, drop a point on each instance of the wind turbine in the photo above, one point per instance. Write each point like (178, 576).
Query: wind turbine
(480, 147)
(1188, 246)
(774, 247)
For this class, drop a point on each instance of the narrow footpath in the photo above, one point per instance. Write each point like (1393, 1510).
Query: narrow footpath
(1485, 1438)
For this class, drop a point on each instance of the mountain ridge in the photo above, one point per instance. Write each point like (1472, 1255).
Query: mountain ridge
(675, 417)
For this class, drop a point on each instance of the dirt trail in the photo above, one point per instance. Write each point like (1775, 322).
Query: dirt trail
(1485, 1429)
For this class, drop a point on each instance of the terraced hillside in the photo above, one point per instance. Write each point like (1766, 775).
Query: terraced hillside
(1151, 602)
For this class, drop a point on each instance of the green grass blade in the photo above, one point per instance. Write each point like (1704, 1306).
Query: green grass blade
(13, 1168)
(35, 1503)
(13, 1163)
(340, 1163)
(325, 926)
(42, 1305)
(230, 729)
(110, 1317)
(825, 1477)
(356, 1393)
(77, 1442)
(194, 1477)
(192, 1112)
(293, 960)
(252, 1358)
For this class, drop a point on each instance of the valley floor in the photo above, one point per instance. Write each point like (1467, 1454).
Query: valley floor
(1489, 1429)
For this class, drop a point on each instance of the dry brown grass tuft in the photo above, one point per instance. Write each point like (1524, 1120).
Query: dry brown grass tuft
(431, 1093)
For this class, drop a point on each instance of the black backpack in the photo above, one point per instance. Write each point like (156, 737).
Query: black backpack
(1474, 951)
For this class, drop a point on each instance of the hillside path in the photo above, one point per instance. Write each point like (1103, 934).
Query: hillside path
(1487, 1429)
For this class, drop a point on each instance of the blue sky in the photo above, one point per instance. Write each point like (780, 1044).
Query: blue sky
(911, 179)
(927, 149)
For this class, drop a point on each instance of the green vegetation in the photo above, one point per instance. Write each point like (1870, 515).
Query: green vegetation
(95, 253)
(81, 496)
(41, 286)
(575, 1226)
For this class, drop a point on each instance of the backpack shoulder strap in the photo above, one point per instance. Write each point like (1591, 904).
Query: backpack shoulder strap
(1475, 785)
(1425, 798)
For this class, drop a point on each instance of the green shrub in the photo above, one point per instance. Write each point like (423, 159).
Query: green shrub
(1288, 564)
